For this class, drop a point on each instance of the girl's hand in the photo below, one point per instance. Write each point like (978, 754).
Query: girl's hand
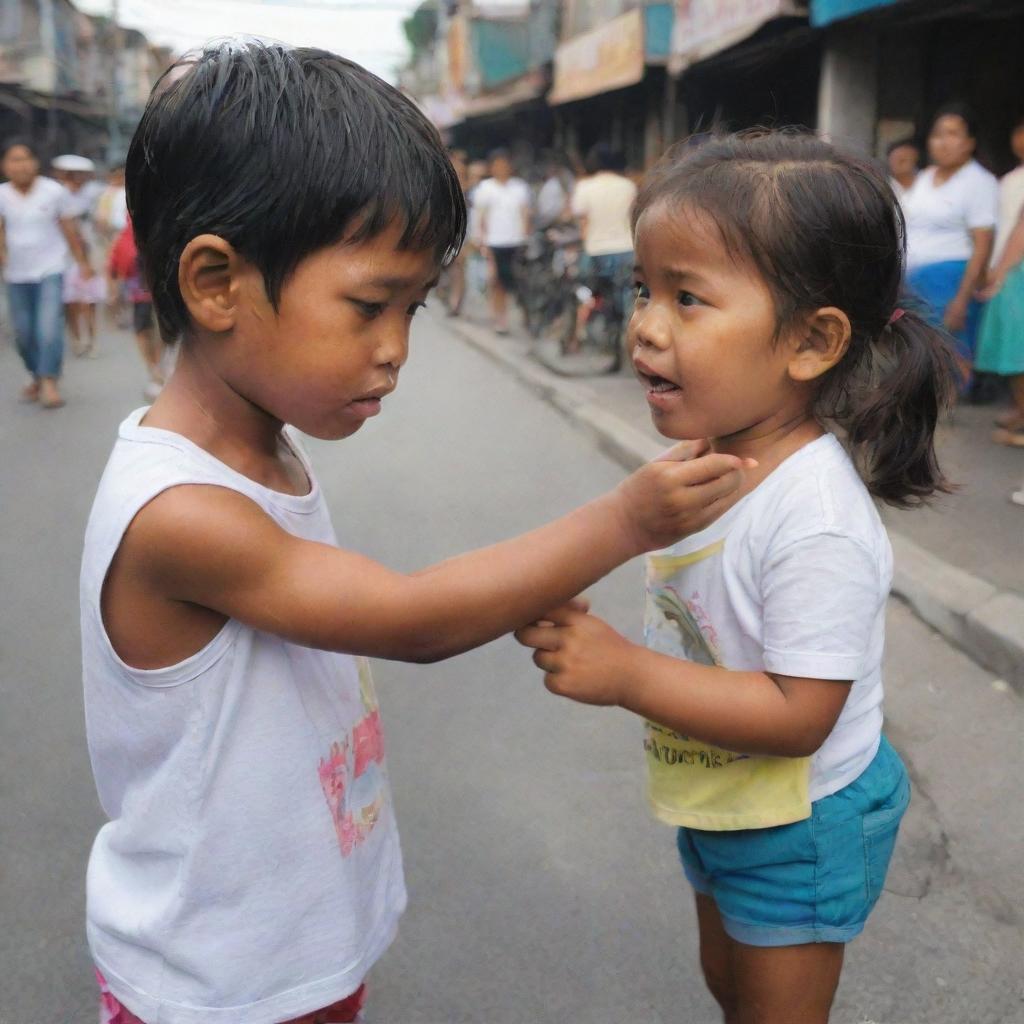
(582, 657)
(955, 317)
(679, 493)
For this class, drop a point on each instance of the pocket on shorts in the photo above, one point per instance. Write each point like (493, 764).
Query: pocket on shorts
(880, 828)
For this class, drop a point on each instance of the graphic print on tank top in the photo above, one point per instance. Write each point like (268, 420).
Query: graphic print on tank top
(352, 773)
(690, 782)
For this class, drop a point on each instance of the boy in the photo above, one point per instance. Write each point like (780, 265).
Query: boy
(291, 212)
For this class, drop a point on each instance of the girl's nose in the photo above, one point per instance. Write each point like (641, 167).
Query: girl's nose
(649, 328)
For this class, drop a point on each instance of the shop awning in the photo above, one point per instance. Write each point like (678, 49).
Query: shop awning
(524, 90)
(704, 27)
(605, 58)
(824, 12)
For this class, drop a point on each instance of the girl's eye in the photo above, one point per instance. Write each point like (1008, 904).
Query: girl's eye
(688, 299)
(415, 308)
(641, 290)
(369, 309)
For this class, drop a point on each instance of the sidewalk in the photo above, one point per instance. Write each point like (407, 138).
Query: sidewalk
(959, 563)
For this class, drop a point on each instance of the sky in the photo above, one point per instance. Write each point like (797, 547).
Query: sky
(367, 31)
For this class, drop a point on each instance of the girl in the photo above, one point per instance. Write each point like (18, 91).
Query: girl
(769, 268)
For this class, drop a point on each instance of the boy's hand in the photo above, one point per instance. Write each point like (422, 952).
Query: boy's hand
(679, 493)
(582, 657)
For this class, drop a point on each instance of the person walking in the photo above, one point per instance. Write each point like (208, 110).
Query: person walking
(601, 204)
(951, 214)
(38, 229)
(1001, 336)
(82, 294)
(502, 203)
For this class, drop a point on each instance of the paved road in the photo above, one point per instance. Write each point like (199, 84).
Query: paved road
(541, 892)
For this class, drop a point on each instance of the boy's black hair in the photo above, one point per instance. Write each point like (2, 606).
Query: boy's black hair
(281, 152)
(823, 228)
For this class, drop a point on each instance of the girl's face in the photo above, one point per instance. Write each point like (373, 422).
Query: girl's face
(950, 143)
(702, 335)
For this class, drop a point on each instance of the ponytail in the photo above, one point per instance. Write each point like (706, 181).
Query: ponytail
(886, 397)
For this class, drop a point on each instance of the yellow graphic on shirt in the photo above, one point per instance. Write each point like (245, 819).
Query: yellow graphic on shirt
(693, 783)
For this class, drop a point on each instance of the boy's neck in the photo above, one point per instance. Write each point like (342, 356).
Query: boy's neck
(200, 405)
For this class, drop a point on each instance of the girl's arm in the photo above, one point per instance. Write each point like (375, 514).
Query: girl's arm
(955, 316)
(747, 712)
(214, 548)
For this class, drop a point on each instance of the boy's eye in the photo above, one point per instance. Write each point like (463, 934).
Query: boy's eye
(688, 299)
(368, 309)
(641, 290)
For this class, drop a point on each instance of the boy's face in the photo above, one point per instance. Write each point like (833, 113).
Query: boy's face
(903, 162)
(333, 350)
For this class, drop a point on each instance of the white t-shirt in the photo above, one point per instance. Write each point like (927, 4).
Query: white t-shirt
(36, 247)
(940, 218)
(250, 869)
(502, 207)
(792, 580)
(605, 199)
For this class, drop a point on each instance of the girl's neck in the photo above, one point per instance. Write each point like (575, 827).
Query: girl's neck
(25, 188)
(769, 443)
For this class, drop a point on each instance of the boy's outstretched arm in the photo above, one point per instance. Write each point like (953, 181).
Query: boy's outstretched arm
(213, 548)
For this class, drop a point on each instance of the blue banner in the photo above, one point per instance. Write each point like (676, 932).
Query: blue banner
(824, 12)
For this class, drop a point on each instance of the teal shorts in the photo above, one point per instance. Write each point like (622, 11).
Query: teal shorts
(814, 880)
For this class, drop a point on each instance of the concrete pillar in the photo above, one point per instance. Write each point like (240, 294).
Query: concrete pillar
(848, 90)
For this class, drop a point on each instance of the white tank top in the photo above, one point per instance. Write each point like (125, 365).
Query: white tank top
(250, 871)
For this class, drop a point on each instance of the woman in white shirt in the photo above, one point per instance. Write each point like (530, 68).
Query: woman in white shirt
(951, 212)
(38, 230)
(502, 203)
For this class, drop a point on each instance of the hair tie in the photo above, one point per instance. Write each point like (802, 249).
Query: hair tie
(897, 313)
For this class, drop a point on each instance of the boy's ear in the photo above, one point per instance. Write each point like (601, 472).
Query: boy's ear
(820, 344)
(209, 281)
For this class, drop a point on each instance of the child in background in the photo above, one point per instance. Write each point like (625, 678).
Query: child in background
(292, 211)
(769, 271)
(123, 268)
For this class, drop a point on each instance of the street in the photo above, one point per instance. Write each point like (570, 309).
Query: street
(541, 890)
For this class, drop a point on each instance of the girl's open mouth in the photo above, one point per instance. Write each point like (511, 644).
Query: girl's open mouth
(657, 385)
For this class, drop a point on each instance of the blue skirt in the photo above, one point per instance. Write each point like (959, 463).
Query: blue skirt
(936, 284)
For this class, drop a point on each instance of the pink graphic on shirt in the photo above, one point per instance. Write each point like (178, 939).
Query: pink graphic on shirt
(352, 775)
(368, 743)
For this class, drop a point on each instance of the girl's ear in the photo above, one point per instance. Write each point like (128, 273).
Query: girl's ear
(821, 343)
(208, 277)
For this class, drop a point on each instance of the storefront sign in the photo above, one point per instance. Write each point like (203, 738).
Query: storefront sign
(703, 27)
(606, 58)
(824, 12)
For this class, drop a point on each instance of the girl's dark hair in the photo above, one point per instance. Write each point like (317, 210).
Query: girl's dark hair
(281, 152)
(824, 229)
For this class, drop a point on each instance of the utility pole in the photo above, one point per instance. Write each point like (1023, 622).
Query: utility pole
(114, 144)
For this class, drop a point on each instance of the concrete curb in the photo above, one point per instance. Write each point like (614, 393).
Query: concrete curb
(986, 623)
